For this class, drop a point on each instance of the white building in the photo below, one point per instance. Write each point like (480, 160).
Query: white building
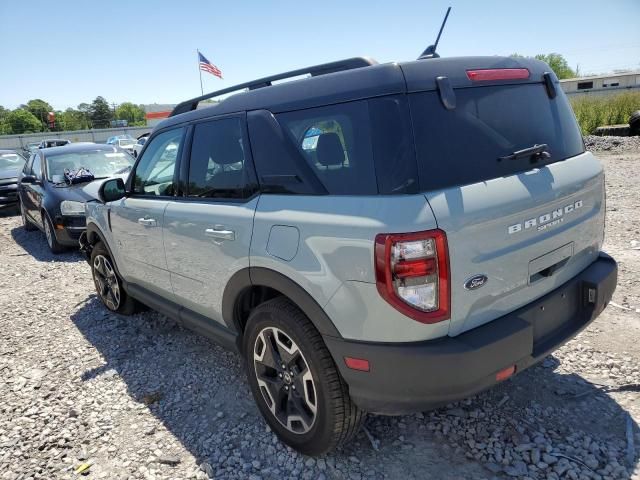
(602, 84)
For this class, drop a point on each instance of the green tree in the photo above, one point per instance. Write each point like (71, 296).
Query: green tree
(4, 126)
(556, 61)
(100, 113)
(23, 121)
(39, 109)
(558, 64)
(130, 112)
(72, 119)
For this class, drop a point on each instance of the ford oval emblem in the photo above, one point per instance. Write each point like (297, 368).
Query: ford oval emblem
(475, 282)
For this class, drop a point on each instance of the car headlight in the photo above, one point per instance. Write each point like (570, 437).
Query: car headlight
(69, 207)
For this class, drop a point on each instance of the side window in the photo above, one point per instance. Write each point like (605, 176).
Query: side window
(217, 168)
(37, 167)
(336, 142)
(154, 174)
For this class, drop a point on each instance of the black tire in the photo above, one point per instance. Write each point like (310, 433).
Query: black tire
(26, 223)
(336, 419)
(50, 235)
(108, 283)
(634, 123)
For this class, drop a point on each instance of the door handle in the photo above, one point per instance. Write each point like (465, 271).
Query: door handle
(220, 233)
(147, 222)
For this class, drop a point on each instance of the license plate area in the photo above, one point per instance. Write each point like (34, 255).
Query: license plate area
(551, 316)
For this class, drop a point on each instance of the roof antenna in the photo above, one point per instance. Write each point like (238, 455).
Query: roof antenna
(430, 52)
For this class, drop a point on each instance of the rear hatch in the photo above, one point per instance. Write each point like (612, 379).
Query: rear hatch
(519, 227)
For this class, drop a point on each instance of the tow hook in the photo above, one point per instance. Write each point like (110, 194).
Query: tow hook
(85, 246)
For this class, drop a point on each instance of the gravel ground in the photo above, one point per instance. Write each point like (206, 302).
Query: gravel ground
(141, 397)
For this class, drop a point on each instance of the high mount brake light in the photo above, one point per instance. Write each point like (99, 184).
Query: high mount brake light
(491, 74)
(412, 274)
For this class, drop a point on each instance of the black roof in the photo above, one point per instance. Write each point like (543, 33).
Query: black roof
(356, 81)
(78, 148)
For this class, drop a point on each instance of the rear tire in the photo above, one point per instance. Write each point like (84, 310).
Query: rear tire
(108, 283)
(634, 123)
(306, 403)
(49, 233)
(26, 223)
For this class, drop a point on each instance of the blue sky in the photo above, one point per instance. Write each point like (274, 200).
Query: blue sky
(68, 52)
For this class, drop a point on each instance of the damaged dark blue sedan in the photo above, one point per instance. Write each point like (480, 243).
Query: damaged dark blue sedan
(56, 182)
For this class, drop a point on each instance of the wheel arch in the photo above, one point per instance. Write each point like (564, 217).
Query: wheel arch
(252, 286)
(94, 235)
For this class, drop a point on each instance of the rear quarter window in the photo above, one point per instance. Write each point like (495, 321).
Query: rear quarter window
(357, 148)
(336, 142)
(462, 145)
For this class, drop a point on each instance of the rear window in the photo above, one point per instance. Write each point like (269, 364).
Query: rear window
(462, 145)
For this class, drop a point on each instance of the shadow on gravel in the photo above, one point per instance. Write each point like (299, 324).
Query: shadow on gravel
(35, 244)
(199, 393)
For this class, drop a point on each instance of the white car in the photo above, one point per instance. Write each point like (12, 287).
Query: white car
(137, 147)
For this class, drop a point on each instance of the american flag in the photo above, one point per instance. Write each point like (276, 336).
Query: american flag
(207, 66)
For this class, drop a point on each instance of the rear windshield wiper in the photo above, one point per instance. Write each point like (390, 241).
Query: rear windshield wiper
(535, 153)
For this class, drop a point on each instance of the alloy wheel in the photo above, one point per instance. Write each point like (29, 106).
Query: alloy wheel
(106, 282)
(285, 380)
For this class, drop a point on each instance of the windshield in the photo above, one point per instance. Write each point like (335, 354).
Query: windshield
(99, 163)
(126, 142)
(11, 160)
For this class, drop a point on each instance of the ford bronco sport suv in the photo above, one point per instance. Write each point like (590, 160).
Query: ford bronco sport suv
(373, 238)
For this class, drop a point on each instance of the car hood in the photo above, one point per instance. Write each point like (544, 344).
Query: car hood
(84, 192)
(10, 172)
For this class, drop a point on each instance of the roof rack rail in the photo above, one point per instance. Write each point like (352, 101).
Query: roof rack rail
(314, 71)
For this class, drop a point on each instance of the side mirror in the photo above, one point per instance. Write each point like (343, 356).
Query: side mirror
(112, 190)
(28, 179)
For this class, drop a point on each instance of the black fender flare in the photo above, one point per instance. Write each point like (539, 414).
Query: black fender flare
(260, 276)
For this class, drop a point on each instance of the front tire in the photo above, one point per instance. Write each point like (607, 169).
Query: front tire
(108, 283)
(50, 235)
(295, 382)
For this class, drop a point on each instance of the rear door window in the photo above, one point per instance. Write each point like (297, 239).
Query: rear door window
(463, 145)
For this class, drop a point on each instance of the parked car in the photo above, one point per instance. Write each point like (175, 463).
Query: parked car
(55, 183)
(54, 142)
(373, 238)
(137, 147)
(126, 144)
(114, 140)
(11, 163)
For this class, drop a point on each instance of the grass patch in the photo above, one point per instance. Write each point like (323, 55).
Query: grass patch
(596, 111)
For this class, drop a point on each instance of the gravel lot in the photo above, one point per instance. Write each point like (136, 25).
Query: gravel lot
(141, 397)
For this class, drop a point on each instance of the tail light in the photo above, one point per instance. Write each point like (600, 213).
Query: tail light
(490, 74)
(412, 274)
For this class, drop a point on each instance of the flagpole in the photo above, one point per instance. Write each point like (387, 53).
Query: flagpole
(200, 71)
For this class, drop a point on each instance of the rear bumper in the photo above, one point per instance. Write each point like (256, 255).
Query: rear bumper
(410, 377)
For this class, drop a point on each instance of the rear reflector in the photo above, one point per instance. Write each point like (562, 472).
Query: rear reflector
(506, 373)
(357, 363)
(498, 74)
